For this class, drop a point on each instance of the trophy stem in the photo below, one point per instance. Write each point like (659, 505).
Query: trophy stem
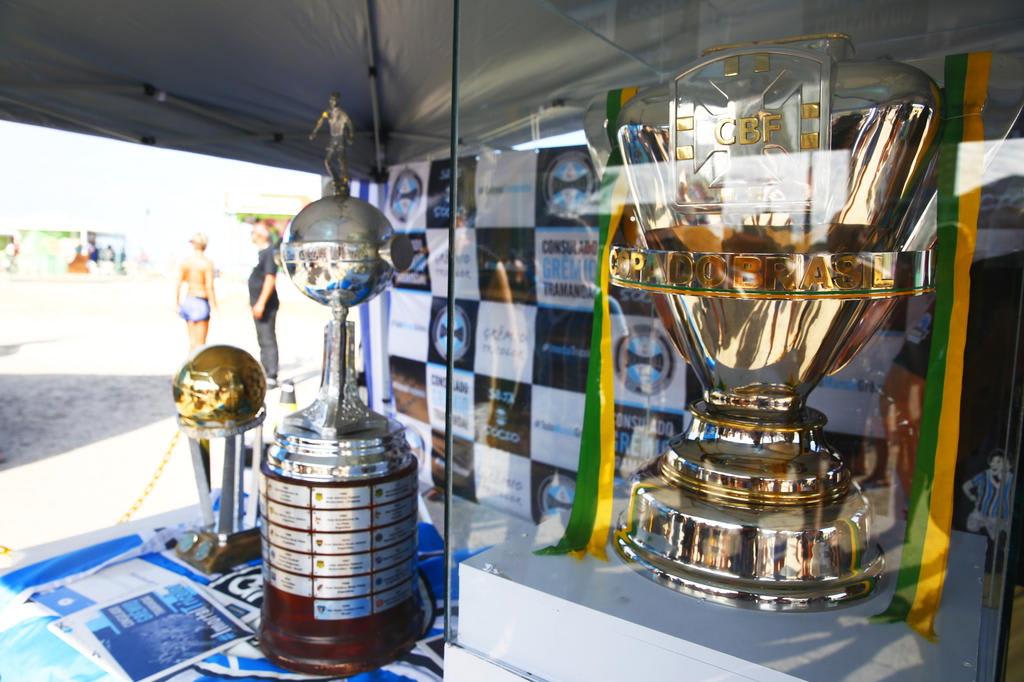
(200, 451)
(338, 409)
(769, 405)
(338, 355)
(756, 463)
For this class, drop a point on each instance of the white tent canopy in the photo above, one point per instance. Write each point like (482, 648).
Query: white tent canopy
(246, 80)
(232, 78)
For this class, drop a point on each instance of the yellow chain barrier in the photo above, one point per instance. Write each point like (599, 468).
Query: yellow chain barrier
(153, 480)
(6, 556)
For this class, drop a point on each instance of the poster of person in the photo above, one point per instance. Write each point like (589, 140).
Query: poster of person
(991, 493)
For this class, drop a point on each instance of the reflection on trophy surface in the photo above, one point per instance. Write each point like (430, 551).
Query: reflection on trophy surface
(779, 188)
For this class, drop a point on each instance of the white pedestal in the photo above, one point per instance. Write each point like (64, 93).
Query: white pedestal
(559, 618)
(461, 664)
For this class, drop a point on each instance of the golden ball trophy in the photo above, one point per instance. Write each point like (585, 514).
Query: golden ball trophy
(219, 393)
(779, 190)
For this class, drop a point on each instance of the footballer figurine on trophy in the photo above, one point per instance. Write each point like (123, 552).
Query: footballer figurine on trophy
(342, 136)
(339, 493)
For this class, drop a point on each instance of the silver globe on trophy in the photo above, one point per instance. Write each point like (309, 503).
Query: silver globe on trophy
(779, 188)
(339, 491)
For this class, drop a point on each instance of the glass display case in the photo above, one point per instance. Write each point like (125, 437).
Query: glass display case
(718, 346)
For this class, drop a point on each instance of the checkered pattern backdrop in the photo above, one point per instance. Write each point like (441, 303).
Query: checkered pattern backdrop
(526, 257)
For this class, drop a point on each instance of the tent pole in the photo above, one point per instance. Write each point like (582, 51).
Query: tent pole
(374, 101)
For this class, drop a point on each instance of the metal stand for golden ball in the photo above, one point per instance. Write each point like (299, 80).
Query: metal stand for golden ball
(219, 393)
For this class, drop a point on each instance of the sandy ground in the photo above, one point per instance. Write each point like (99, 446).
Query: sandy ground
(86, 410)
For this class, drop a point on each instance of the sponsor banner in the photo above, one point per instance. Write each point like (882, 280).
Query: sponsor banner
(418, 435)
(556, 426)
(641, 435)
(462, 400)
(409, 387)
(503, 480)
(406, 201)
(562, 350)
(417, 276)
(502, 414)
(506, 269)
(463, 474)
(566, 267)
(408, 328)
(648, 370)
(467, 281)
(624, 301)
(439, 193)
(525, 263)
(553, 490)
(463, 330)
(566, 188)
(851, 398)
(505, 189)
(504, 341)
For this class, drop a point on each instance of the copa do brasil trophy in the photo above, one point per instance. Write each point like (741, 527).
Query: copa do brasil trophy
(779, 189)
(339, 493)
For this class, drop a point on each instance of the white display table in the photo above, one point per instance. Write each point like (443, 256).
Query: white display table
(30, 555)
(559, 618)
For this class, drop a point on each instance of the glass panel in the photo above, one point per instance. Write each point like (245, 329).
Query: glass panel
(786, 426)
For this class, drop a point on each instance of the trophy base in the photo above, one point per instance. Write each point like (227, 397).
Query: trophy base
(348, 648)
(752, 516)
(374, 451)
(214, 553)
(339, 546)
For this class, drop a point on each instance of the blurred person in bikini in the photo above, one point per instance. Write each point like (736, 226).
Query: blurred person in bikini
(196, 274)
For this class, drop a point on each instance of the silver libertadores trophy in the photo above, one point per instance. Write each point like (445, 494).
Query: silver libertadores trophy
(339, 493)
(779, 188)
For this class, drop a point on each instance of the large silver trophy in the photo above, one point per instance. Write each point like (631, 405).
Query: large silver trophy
(339, 493)
(779, 192)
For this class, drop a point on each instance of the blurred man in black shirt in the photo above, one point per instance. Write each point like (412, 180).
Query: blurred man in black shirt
(264, 302)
